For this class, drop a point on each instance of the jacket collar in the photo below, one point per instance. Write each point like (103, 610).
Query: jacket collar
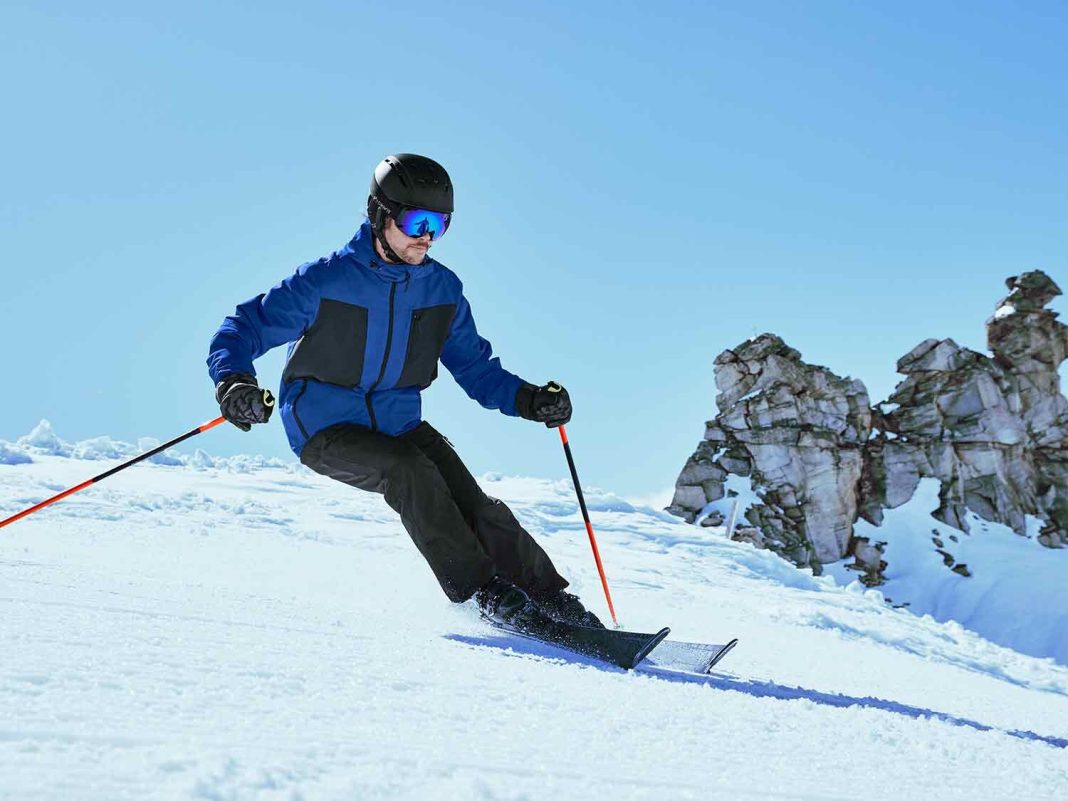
(362, 248)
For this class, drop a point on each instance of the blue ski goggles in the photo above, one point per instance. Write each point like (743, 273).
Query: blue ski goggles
(419, 222)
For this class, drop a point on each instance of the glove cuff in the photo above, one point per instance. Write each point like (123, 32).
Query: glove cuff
(234, 378)
(524, 400)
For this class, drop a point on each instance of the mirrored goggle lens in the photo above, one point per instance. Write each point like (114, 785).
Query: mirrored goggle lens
(417, 222)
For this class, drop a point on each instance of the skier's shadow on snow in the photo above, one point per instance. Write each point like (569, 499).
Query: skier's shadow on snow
(759, 689)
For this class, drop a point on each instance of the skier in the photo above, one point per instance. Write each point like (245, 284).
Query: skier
(366, 327)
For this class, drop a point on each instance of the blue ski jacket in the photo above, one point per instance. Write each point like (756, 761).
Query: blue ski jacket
(365, 339)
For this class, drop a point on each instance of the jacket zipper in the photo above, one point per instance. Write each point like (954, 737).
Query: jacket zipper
(385, 359)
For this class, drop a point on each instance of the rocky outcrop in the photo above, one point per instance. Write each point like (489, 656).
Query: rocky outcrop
(798, 432)
(992, 429)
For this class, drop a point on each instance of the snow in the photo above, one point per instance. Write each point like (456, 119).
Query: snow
(43, 439)
(735, 487)
(1004, 311)
(1014, 596)
(10, 455)
(103, 448)
(243, 628)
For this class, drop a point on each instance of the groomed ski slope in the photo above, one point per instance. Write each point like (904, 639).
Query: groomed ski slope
(229, 629)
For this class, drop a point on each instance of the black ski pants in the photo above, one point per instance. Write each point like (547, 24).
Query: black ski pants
(465, 536)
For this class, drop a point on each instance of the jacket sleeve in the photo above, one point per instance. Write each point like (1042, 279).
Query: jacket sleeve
(264, 322)
(470, 359)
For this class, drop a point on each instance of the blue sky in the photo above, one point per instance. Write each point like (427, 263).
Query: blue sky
(639, 186)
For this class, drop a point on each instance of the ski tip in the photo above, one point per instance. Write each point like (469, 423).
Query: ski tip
(722, 653)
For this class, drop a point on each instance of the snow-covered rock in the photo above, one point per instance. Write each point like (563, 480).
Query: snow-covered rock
(990, 432)
(797, 431)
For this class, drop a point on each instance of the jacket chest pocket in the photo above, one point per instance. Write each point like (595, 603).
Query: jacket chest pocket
(427, 333)
(332, 349)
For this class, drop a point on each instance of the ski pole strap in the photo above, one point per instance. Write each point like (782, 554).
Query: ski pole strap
(147, 455)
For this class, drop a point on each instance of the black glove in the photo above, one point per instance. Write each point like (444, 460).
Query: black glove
(549, 404)
(242, 402)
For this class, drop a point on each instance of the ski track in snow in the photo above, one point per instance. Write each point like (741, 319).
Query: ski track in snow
(210, 632)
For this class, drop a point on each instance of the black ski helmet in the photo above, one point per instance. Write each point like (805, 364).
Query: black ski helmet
(408, 180)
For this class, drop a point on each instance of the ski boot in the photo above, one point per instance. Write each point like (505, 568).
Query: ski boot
(567, 608)
(504, 602)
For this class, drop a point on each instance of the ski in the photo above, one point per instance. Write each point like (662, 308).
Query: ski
(691, 657)
(624, 649)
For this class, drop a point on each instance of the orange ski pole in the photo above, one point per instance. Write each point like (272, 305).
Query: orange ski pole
(589, 527)
(113, 471)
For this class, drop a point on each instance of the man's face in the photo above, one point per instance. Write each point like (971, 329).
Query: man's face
(411, 249)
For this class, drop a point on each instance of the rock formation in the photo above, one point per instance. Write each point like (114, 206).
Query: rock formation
(992, 429)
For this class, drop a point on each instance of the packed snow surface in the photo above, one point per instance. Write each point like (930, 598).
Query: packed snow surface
(209, 628)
